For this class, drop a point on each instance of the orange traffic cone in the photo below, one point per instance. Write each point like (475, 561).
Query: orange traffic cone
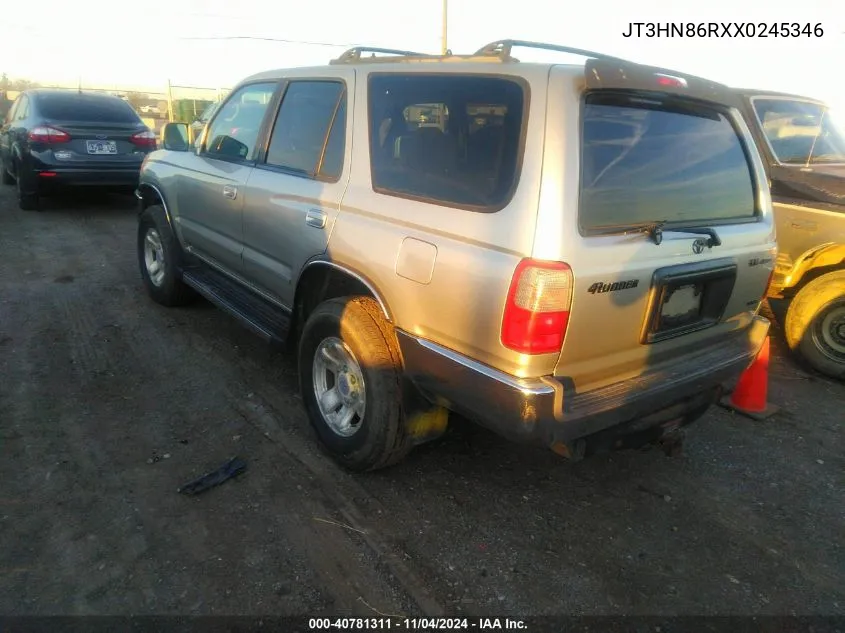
(751, 392)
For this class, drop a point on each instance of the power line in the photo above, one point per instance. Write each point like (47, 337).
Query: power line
(270, 39)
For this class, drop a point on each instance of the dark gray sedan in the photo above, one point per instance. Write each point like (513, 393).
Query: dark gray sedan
(56, 138)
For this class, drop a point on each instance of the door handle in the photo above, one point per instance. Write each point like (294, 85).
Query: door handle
(230, 191)
(315, 218)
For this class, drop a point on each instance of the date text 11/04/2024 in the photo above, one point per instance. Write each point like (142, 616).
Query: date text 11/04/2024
(416, 624)
(723, 29)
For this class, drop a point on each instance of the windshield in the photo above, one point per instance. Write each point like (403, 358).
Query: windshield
(801, 131)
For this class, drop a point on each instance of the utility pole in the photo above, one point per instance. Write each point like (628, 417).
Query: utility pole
(169, 102)
(444, 46)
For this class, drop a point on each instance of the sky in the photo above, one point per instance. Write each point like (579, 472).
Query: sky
(122, 44)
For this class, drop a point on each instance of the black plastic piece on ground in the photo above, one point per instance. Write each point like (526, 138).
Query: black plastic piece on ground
(230, 469)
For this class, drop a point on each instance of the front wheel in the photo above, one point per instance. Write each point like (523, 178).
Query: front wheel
(815, 324)
(349, 374)
(158, 259)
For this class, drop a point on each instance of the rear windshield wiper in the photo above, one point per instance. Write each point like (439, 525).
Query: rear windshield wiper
(704, 230)
(655, 231)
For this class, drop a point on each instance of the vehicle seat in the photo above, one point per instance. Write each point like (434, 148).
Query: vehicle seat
(429, 150)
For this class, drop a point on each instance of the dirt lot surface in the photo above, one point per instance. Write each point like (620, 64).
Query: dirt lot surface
(109, 402)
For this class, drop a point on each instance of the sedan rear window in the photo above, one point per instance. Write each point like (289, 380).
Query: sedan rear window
(648, 161)
(87, 108)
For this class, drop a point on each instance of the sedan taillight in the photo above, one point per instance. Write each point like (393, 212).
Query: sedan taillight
(47, 134)
(144, 139)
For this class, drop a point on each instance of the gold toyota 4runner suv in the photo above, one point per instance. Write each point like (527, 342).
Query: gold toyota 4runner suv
(802, 142)
(570, 254)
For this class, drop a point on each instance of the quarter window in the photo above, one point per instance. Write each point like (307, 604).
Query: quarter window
(450, 139)
(309, 135)
(234, 130)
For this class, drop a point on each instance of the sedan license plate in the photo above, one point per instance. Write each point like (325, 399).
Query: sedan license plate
(102, 147)
(684, 304)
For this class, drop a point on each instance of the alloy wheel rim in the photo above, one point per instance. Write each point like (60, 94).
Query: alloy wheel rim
(154, 257)
(339, 387)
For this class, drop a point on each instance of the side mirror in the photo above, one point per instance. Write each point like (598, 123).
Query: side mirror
(176, 137)
(230, 147)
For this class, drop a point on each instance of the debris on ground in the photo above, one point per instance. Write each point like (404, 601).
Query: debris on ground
(230, 469)
(343, 525)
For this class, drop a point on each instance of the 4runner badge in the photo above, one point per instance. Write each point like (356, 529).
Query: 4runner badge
(600, 287)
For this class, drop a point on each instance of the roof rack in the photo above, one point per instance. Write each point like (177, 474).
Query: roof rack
(354, 54)
(502, 49)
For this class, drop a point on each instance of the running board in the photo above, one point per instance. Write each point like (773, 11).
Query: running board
(270, 322)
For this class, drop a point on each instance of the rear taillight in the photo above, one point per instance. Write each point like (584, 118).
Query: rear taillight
(47, 134)
(537, 310)
(144, 139)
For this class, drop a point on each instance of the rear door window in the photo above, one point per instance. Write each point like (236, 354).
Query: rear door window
(86, 108)
(453, 140)
(310, 132)
(648, 161)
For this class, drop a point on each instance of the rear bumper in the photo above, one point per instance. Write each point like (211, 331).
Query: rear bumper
(45, 172)
(548, 411)
(67, 177)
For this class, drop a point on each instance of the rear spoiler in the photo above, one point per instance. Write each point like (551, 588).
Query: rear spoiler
(604, 72)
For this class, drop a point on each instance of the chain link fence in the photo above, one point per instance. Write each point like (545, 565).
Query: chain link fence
(185, 104)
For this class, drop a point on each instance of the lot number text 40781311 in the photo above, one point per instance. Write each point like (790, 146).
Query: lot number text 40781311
(416, 624)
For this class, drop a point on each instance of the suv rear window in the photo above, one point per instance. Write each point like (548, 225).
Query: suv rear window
(647, 161)
(87, 108)
(450, 139)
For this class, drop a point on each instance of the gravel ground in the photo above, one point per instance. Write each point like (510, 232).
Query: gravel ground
(109, 402)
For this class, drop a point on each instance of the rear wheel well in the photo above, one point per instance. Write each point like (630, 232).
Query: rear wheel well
(810, 275)
(318, 284)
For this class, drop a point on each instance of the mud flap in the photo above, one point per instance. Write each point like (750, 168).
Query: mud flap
(424, 420)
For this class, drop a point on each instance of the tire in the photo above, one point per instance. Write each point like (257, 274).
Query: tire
(162, 247)
(815, 324)
(27, 201)
(7, 178)
(353, 328)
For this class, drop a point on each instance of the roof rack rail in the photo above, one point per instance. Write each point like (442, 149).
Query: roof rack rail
(502, 49)
(354, 54)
